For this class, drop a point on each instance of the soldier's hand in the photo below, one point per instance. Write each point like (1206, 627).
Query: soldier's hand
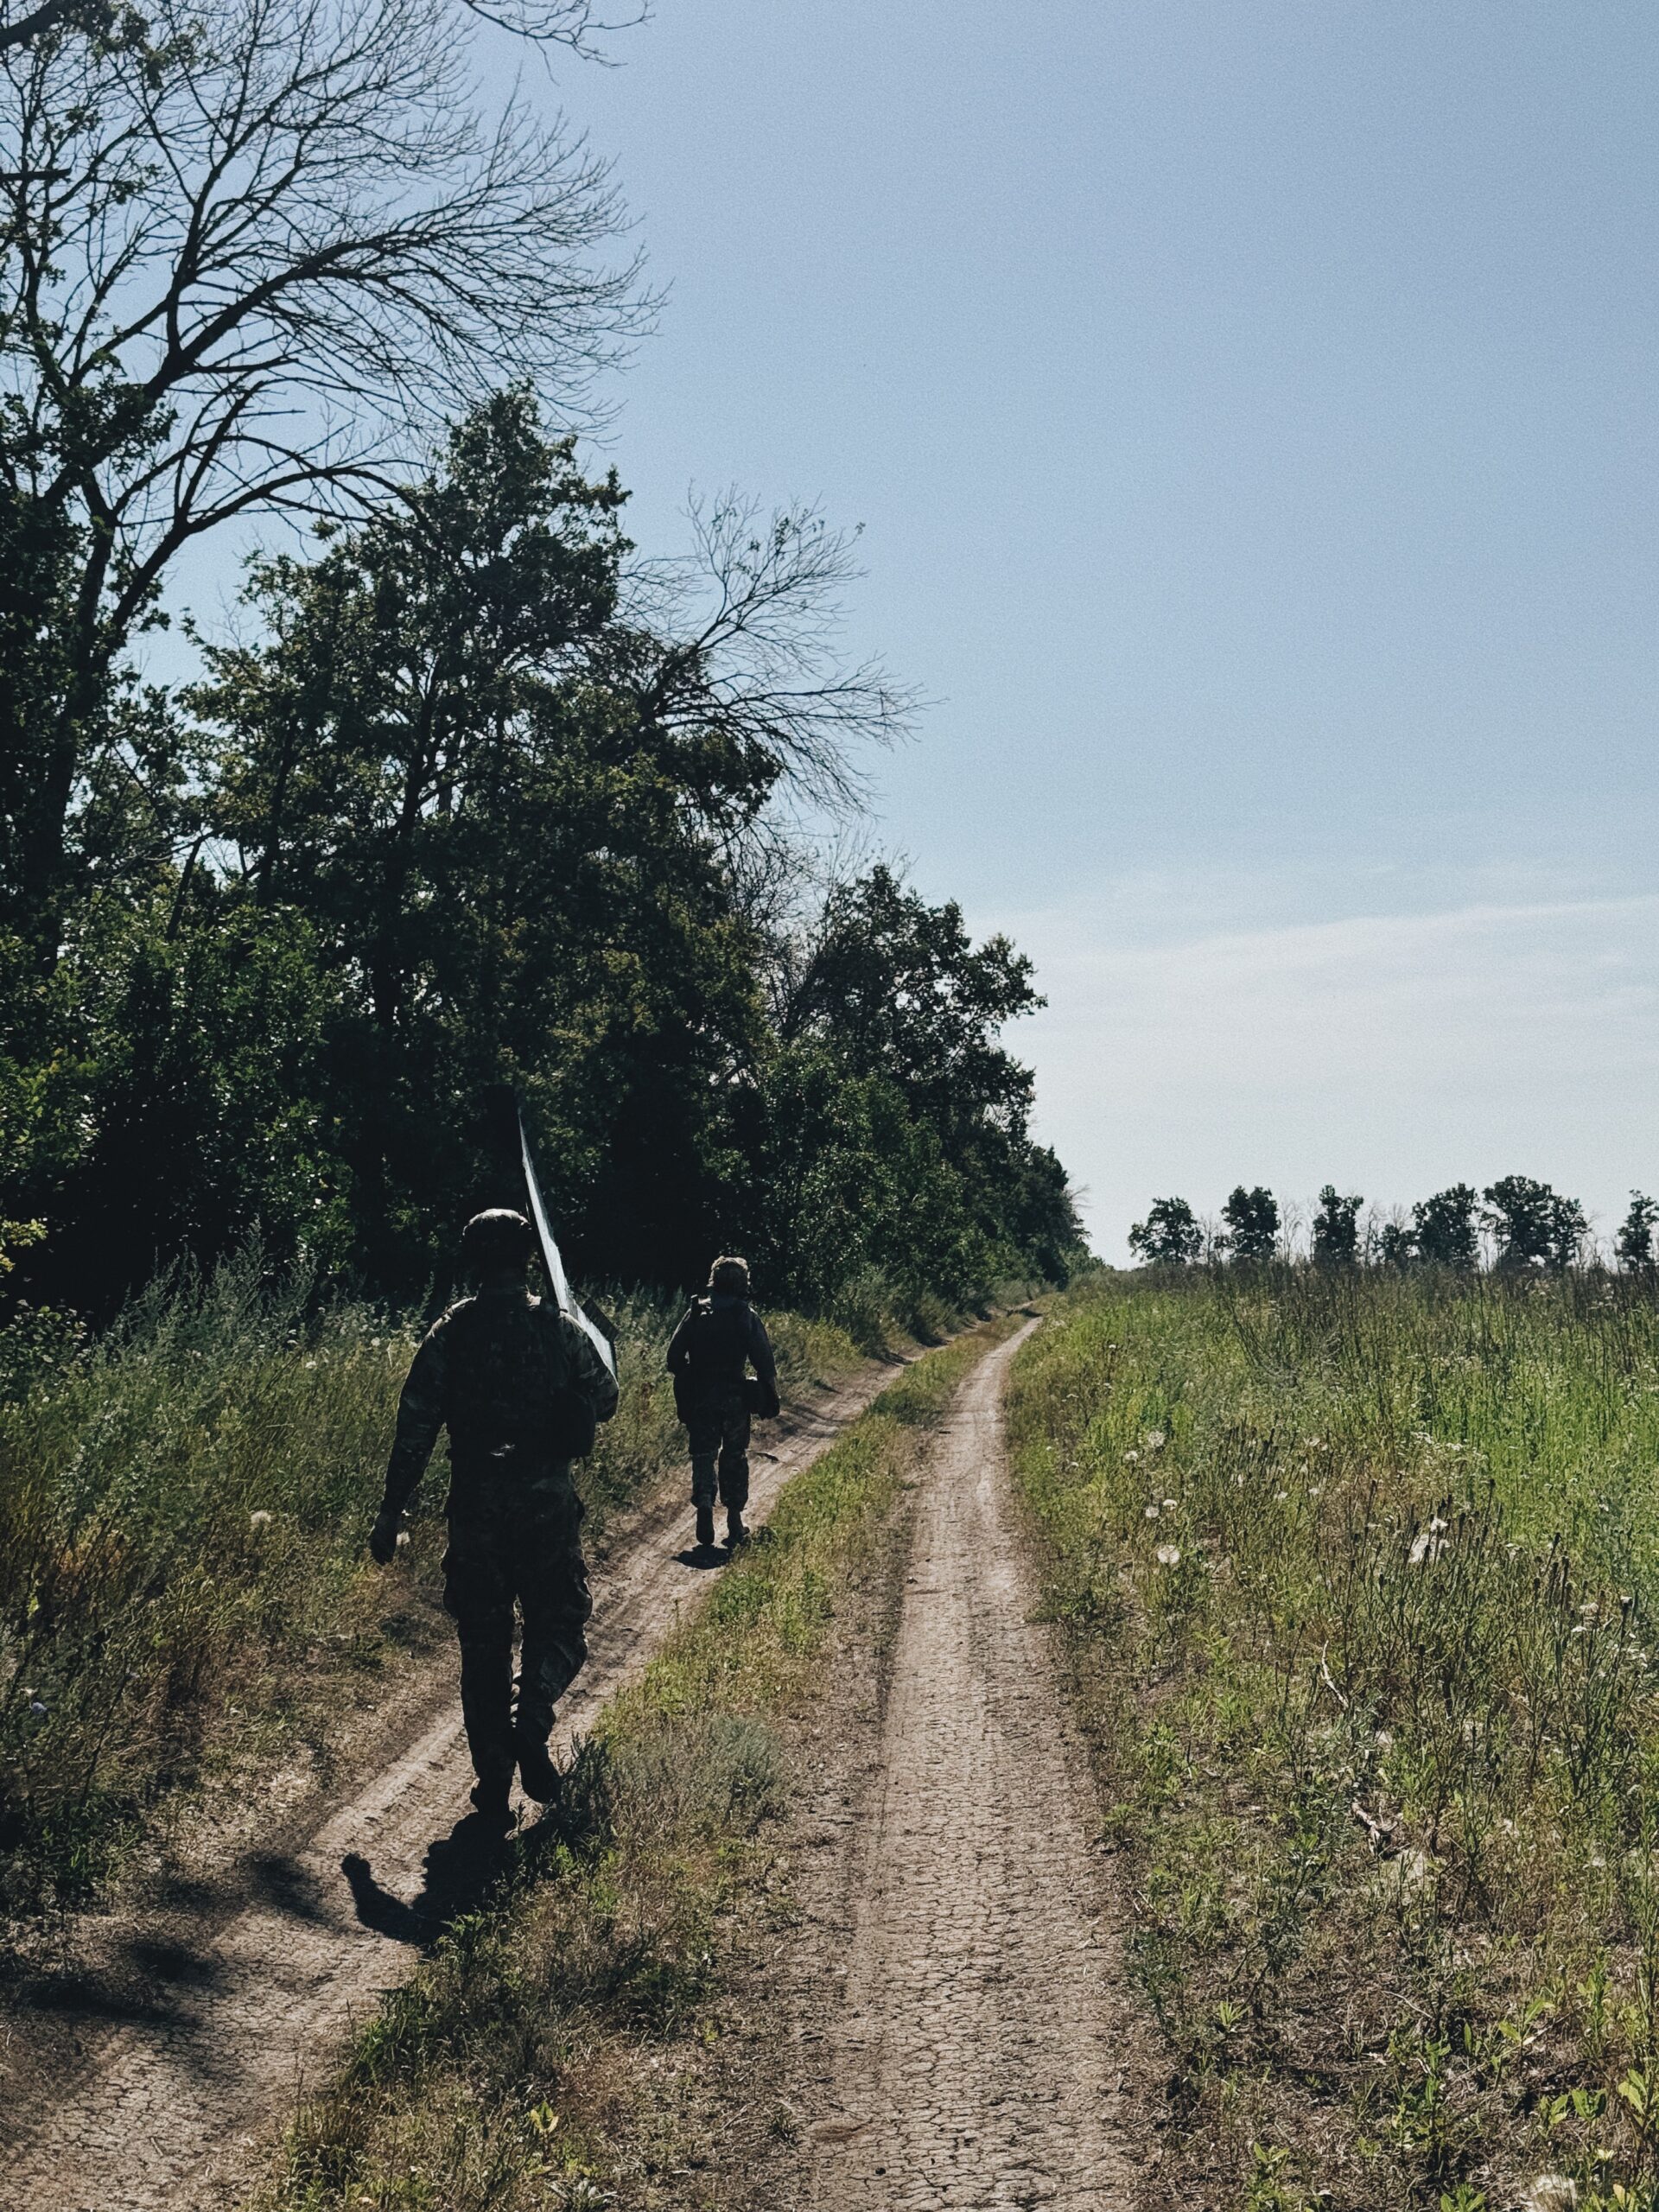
(383, 1539)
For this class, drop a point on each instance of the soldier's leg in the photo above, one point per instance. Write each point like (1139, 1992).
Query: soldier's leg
(735, 1469)
(478, 1597)
(556, 1605)
(704, 1436)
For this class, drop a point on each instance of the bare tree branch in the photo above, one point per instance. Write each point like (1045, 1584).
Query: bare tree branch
(250, 261)
(743, 649)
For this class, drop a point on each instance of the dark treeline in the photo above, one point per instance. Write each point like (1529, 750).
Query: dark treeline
(1530, 1226)
(472, 802)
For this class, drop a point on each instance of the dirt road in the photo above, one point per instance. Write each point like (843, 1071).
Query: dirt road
(976, 2059)
(169, 2106)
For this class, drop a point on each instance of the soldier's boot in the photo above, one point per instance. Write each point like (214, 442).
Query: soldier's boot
(706, 1525)
(538, 1774)
(492, 1801)
(736, 1534)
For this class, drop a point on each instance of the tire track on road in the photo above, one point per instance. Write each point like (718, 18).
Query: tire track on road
(976, 2062)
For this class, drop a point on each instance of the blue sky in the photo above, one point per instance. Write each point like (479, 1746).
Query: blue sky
(1249, 407)
(1249, 410)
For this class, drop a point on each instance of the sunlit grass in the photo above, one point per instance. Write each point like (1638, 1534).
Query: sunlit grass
(1361, 1576)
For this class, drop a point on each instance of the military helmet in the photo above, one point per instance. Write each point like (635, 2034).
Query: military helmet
(731, 1274)
(497, 1238)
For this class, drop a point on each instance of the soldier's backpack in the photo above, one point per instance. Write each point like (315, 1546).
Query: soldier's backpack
(716, 1349)
(512, 1395)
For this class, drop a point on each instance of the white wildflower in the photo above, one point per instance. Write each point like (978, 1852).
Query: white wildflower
(259, 1520)
(1428, 1543)
(1156, 1439)
(403, 1538)
(1129, 1459)
(1281, 1498)
(1168, 1555)
(1151, 1512)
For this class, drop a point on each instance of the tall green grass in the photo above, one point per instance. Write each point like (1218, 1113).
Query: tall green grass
(183, 1503)
(1361, 1575)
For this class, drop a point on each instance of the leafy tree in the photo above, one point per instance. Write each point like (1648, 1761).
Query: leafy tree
(1634, 1245)
(251, 248)
(1170, 1235)
(1252, 1219)
(1534, 1225)
(1396, 1246)
(1443, 1231)
(1336, 1229)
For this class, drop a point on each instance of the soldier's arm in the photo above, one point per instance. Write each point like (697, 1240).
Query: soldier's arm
(765, 1366)
(594, 1378)
(420, 1416)
(760, 1352)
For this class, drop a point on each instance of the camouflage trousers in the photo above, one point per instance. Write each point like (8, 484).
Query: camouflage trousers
(518, 1548)
(720, 1454)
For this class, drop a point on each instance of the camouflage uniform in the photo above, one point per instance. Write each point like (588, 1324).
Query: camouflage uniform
(719, 1335)
(487, 1370)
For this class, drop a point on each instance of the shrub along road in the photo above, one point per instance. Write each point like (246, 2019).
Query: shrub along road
(159, 2098)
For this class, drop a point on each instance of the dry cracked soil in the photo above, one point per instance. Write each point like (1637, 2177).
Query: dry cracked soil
(949, 2019)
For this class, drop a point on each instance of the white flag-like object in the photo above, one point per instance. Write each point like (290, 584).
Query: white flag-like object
(556, 1274)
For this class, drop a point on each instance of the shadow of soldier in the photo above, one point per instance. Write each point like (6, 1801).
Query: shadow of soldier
(459, 1871)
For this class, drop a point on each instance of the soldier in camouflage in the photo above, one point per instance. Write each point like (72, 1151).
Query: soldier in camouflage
(519, 1388)
(721, 1336)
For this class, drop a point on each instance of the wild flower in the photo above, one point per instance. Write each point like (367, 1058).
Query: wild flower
(1155, 1440)
(1550, 2193)
(1429, 1543)
(259, 1520)
(1151, 1512)
(1168, 1555)
(1129, 1459)
(1169, 1505)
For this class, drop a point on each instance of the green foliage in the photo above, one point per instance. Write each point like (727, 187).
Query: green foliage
(1443, 1228)
(475, 828)
(1534, 1225)
(1360, 1570)
(1252, 1219)
(1635, 1243)
(1170, 1235)
(1336, 1229)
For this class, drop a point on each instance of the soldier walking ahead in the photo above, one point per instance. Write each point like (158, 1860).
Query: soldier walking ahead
(520, 1387)
(722, 1335)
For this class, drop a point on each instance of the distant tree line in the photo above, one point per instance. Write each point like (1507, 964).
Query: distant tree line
(1532, 1228)
(471, 803)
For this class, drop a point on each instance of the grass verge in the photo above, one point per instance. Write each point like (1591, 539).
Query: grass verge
(184, 1595)
(563, 2047)
(1360, 1577)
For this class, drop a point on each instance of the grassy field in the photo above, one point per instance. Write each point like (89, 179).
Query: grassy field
(184, 1593)
(562, 2046)
(1360, 1577)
